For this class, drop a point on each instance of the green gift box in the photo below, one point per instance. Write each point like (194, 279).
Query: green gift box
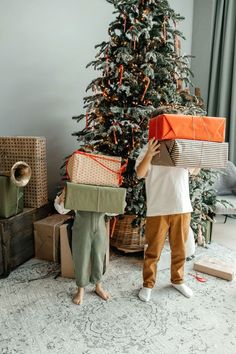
(11, 198)
(101, 199)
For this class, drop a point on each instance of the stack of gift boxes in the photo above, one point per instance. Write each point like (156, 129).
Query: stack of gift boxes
(93, 185)
(189, 141)
(94, 181)
(21, 206)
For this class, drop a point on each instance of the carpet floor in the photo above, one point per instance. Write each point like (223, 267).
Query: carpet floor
(38, 316)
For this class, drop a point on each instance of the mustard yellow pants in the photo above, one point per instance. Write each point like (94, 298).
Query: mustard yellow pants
(157, 227)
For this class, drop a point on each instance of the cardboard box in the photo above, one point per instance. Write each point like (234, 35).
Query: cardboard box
(177, 126)
(17, 237)
(216, 267)
(94, 169)
(95, 198)
(46, 237)
(32, 150)
(192, 153)
(11, 198)
(67, 266)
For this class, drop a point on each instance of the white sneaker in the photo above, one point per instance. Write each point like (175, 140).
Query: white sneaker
(183, 289)
(145, 294)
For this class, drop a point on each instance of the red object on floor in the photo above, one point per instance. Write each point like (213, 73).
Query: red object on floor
(200, 279)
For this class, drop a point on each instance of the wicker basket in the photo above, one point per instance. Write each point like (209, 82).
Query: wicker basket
(127, 238)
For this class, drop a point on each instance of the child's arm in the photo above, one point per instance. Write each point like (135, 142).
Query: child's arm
(153, 149)
(59, 203)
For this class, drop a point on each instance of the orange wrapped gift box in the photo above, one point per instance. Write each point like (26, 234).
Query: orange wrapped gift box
(100, 170)
(177, 126)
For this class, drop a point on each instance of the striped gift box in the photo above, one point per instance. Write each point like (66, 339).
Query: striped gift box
(192, 153)
(100, 170)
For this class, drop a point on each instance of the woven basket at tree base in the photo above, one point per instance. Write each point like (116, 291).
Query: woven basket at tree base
(127, 238)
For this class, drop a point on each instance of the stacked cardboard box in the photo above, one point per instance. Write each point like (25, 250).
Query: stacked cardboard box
(67, 266)
(47, 237)
(216, 267)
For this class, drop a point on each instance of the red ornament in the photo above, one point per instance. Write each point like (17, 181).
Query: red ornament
(147, 80)
(121, 70)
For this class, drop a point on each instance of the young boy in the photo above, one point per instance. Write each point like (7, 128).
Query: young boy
(89, 244)
(168, 211)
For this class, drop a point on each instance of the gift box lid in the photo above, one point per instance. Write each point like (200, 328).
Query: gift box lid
(216, 267)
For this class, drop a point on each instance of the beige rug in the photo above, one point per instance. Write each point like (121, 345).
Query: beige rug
(37, 315)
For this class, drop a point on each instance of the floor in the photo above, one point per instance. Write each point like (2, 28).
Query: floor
(37, 315)
(225, 233)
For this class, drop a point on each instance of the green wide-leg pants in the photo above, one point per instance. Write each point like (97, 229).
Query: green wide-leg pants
(89, 243)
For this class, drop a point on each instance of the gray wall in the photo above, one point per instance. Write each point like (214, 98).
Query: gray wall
(45, 46)
(201, 47)
(185, 9)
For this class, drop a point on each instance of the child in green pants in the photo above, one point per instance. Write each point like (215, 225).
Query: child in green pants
(89, 244)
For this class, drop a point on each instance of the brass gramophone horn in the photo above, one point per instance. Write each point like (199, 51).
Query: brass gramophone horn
(20, 173)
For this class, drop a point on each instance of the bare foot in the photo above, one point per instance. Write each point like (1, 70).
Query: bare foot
(102, 293)
(78, 297)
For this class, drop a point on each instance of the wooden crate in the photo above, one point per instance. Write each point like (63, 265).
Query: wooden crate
(17, 237)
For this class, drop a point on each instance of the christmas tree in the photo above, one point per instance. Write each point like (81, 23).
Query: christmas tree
(142, 74)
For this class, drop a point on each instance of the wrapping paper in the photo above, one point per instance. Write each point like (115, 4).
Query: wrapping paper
(95, 198)
(192, 153)
(176, 126)
(94, 169)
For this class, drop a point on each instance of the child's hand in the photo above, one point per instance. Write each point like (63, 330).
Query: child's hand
(61, 198)
(153, 148)
(194, 171)
(59, 203)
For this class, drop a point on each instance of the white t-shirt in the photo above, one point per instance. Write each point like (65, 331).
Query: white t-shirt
(167, 189)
